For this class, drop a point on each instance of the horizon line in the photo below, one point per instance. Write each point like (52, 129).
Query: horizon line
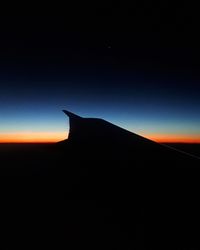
(54, 142)
(53, 137)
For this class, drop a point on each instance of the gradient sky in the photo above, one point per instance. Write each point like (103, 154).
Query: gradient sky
(140, 74)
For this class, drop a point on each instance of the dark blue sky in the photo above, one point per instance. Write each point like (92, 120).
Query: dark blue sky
(137, 71)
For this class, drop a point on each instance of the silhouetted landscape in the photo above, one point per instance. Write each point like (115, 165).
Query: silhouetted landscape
(190, 148)
(102, 188)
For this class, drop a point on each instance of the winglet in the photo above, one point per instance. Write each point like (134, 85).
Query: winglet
(71, 115)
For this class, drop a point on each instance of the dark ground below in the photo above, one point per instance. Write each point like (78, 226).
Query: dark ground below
(74, 198)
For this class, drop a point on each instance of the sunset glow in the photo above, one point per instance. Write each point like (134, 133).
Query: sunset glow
(32, 137)
(167, 138)
(51, 137)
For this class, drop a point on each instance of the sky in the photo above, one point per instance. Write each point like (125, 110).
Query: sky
(136, 67)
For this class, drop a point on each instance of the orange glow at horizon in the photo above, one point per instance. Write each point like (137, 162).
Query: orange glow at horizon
(174, 138)
(51, 137)
(32, 137)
